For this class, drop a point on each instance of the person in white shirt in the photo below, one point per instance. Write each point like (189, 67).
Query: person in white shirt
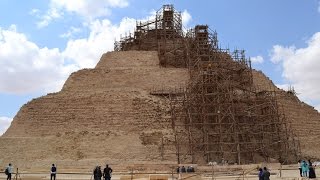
(9, 171)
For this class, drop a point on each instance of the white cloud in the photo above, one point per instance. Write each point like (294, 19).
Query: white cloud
(53, 13)
(186, 18)
(71, 32)
(279, 53)
(87, 51)
(86, 9)
(301, 67)
(25, 67)
(257, 59)
(34, 12)
(4, 124)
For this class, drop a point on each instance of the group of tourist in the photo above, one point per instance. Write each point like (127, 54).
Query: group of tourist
(9, 171)
(183, 169)
(98, 174)
(306, 169)
(264, 174)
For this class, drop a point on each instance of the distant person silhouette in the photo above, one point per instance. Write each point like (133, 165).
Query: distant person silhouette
(107, 172)
(97, 174)
(312, 173)
(265, 174)
(260, 175)
(53, 172)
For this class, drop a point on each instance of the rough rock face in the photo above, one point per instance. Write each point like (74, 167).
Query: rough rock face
(105, 113)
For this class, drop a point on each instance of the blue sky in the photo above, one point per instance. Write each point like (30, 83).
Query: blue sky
(42, 42)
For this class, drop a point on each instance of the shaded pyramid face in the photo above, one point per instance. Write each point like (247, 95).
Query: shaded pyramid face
(101, 114)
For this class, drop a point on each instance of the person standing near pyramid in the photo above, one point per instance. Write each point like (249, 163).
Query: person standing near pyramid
(53, 172)
(107, 172)
(9, 171)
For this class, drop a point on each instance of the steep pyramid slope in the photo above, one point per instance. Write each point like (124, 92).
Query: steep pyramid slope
(105, 113)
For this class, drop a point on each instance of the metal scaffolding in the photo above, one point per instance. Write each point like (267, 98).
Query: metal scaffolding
(163, 34)
(220, 115)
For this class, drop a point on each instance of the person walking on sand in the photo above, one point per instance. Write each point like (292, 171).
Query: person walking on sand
(53, 172)
(107, 172)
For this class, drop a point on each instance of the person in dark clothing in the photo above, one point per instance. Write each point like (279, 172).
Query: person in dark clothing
(53, 172)
(97, 174)
(192, 169)
(183, 169)
(260, 174)
(312, 173)
(107, 172)
(265, 174)
(299, 166)
(188, 169)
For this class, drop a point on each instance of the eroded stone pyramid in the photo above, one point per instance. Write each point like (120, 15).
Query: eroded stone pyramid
(108, 114)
